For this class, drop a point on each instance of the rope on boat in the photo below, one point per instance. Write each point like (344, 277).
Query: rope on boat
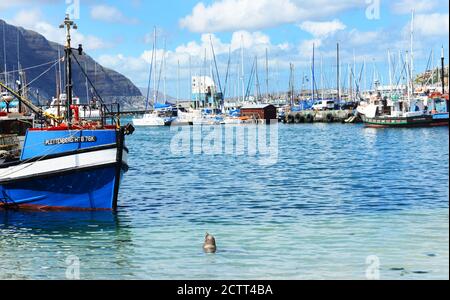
(40, 75)
(33, 67)
(40, 159)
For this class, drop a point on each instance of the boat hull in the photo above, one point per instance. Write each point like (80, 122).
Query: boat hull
(80, 177)
(405, 122)
(91, 190)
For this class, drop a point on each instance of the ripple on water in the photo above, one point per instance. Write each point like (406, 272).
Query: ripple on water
(336, 195)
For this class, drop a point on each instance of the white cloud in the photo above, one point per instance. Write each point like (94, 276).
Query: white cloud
(432, 24)
(306, 47)
(420, 6)
(322, 29)
(363, 38)
(110, 14)
(5, 4)
(235, 14)
(32, 19)
(254, 44)
(231, 15)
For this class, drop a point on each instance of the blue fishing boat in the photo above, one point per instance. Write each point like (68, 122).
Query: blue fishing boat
(68, 164)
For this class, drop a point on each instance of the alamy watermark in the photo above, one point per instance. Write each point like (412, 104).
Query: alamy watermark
(373, 267)
(72, 267)
(373, 10)
(257, 142)
(73, 9)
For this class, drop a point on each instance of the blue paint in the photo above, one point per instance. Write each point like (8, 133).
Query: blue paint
(35, 141)
(84, 190)
(77, 189)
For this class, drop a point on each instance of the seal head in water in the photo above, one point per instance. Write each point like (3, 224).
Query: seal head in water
(210, 244)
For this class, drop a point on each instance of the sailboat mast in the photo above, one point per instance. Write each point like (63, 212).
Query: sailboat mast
(433, 67)
(321, 77)
(390, 70)
(412, 48)
(313, 81)
(18, 51)
(4, 53)
(164, 72)
(242, 69)
(19, 70)
(155, 62)
(338, 80)
(443, 70)
(267, 73)
(178, 81)
(350, 87)
(190, 80)
(365, 75)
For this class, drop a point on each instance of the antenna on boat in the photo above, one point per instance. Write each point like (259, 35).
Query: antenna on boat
(68, 25)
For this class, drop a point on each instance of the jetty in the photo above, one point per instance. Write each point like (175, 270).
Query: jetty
(313, 116)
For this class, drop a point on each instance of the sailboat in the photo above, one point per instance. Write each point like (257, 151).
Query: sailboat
(162, 114)
(73, 164)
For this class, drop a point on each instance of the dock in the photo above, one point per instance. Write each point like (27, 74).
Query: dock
(312, 116)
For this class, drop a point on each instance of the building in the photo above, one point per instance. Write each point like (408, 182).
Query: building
(205, 93)
(266, 112)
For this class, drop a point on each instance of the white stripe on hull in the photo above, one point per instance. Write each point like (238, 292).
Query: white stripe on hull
(65, 163)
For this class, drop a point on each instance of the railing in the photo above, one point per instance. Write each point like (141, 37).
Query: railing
(105, 114)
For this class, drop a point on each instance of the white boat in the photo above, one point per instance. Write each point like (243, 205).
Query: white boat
(233, 121)
(151, 119)
(86, 112)
(161, 116)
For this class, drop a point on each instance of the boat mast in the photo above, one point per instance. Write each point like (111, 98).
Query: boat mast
(408, 75)
(156, 67)
(267, 74)
(87, 85)
(412, 49)
(4, 53)
(190, 80)
(321, 77)
(350, 87)
(68, 25)
(432, 67)
(390, 71)
(242, 68)
(338, 80)
(313, 81)
(19, 70)
(165, 72)
(443, 70)
(178, 81)
(59, 84)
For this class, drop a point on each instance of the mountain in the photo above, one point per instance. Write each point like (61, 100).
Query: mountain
(33, 49)
(160, 95)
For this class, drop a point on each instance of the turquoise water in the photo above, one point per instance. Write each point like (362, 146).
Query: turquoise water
(337, 195)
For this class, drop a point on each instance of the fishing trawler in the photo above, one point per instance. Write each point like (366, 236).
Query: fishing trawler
(69, 163)
(429, 112)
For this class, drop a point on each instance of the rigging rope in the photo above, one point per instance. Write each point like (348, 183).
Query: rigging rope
(46, 153)
(33, 67)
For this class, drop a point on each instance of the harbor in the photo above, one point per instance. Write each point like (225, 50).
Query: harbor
(312, 150)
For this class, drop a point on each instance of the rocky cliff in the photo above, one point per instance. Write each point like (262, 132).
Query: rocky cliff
(32, 49)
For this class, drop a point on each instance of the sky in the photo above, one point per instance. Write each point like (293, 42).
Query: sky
(119, 35)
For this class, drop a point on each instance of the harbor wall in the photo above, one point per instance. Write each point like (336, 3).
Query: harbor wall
(312, 116)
